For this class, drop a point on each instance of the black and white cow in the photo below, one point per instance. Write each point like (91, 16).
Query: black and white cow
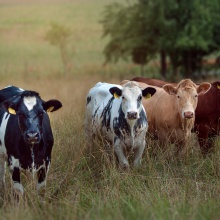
(117, 113)
(26, 138)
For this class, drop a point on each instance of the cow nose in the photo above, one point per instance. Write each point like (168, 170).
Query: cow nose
(188, 114)
(132, 115)
(32, 137)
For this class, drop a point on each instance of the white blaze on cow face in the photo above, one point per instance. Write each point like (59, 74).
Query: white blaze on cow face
(131, 100)
(30, 102)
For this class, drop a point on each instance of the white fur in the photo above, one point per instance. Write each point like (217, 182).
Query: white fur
(18, 187)
(2, 132)
(30, 102)
(100, 97)
(14, 163)
(40, 185)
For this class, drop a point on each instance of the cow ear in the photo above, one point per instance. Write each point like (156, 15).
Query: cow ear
(203, 88)
(52, 105)
(170, 89)
(9, 107)
(115, 91)
(148, 92)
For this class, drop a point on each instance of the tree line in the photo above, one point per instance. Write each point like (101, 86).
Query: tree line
(183, 32)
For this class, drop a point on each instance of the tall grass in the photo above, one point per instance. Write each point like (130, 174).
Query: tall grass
(82, 183)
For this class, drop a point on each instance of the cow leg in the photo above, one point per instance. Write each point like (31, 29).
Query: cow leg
(123, 162)
(203, 132)
(42, 175)
(2, 178)
(138, 152)
(15, 172)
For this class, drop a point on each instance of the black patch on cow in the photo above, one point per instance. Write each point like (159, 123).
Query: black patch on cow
(141, 121)
(30, 93)
(106, 114)
(9, 92)
(139, 102)
(88, 100)
(120, 124)
(16, 174)
(121, 127)
(41, 175)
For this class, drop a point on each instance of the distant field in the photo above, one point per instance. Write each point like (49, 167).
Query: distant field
(24, 24)
(81, 186)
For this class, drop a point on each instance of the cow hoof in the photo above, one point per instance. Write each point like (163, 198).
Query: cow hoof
(125, 166)
(18, 188)
(137, 163)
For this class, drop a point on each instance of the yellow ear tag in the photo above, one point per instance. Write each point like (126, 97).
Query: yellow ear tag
(12, 111)
(218, 86)
(116, 95)
(147, 96)
(50, 109)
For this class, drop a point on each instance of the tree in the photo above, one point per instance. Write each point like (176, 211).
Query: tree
(58, 36)
(183, 31)
(127, 29)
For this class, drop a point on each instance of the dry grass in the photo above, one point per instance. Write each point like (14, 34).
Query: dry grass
(87, 185)
(83, 184)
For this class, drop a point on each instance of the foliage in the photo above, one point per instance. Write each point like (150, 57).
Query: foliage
(59, 36)
(184, 31)
(127, 29)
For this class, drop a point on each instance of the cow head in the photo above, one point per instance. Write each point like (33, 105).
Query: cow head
(131, 95)
(30, 110)
(186, 96)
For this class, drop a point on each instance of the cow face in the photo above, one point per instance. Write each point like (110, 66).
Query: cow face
(186, 96)
(131, 96)
(30, 111)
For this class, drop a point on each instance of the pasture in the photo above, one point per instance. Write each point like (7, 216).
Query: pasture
(83, 184)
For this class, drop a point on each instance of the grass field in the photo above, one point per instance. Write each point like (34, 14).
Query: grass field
(81, 186)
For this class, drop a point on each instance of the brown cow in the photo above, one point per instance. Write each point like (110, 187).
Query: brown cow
(171, 112)
(207, 113)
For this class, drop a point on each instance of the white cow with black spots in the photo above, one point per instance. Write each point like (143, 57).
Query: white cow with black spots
(117, 113)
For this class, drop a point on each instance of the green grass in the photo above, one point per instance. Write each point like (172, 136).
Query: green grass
(83, 185)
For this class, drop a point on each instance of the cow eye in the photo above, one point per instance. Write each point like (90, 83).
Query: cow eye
(139, 98)
(178, 96)
(196, 96)
(123, 97)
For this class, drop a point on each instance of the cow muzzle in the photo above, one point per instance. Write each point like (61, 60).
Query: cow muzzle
(188, 114)
(132, 115)
(33, 137)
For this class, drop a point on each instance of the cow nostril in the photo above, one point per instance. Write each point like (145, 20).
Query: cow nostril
(32, 137)
(188, 114)
(132, 115)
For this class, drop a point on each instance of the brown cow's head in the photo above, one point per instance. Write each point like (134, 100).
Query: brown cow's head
(187, 93)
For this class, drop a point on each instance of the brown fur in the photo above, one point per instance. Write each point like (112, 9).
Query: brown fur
(164, 112)
(206, 116)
